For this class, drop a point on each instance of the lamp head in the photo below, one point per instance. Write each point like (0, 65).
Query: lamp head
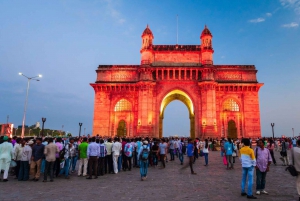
(20, 73)
(40, 75)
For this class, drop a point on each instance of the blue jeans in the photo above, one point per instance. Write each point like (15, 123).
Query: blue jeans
(120, 162)
(206, 158)
(43, 164)
(73, 162)
(66, 168)
(143, 168)
(24, 171)
(172, 154)
(260, 180)
(181, 157)
(247, 171)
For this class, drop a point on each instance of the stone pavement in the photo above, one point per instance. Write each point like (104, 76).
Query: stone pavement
(172, 183)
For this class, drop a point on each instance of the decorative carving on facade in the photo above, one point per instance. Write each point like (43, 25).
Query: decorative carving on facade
(177, 72)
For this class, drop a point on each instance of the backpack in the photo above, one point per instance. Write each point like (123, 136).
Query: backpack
(61, 153)
(145, 154)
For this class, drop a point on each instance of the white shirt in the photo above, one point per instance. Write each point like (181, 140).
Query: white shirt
(116, 148)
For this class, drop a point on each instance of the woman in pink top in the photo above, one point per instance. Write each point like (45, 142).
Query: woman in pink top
(271, 149)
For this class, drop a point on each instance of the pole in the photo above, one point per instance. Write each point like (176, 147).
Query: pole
(43, 120)
(273, 124)
(25, 108)
(84, 131)
(293, 132)
(16, 131)
(80, 124)
(177, 30)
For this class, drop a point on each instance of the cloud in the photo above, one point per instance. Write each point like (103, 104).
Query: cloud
(258, 20)
(291, 25)
(269, 14)
(293, 4)
(111, 7)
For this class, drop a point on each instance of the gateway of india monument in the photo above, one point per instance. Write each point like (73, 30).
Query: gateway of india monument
(222, 100)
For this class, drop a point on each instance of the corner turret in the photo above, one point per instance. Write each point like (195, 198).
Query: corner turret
(146, 50)
(206, 47)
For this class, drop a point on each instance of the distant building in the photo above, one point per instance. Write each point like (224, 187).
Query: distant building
(222, 100)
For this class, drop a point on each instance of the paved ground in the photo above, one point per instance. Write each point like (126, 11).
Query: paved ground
(172, 183)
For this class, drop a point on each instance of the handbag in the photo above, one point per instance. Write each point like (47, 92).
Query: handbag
(224, 160)
(13, 164)
(292, 170)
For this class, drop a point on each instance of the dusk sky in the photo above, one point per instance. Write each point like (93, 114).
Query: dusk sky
(65, 41)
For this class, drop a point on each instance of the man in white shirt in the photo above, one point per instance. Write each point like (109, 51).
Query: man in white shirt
(116, 150)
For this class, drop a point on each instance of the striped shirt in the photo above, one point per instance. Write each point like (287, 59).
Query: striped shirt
(103, 150)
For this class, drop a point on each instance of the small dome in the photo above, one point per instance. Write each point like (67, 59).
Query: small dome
(147, 31)
(206, 31)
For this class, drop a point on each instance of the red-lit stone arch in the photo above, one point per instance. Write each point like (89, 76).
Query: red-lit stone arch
(122, 113)
(230, 117)
(185, 98)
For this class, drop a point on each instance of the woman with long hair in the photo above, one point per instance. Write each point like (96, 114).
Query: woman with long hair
(205, 152)
(271, 149)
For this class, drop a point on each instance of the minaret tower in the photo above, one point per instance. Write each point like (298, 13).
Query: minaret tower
(146, 50)
(206, 47)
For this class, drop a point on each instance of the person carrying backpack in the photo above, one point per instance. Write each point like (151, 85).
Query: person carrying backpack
(143, 156)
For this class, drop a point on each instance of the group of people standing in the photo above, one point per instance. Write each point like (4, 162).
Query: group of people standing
(97, 156)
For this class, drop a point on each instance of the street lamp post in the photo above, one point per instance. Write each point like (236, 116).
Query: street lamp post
(26, 100)
(29, 131)
(84, 131)
(52, 133)
(80, 124)
(16, 131)
(293, 132)
(43, 120)
(273, 124)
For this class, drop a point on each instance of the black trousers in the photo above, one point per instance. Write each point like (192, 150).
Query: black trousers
(128, 164)
(101, 164)
(108, 168)
(93, 165)
(49, 167)
(56, 167)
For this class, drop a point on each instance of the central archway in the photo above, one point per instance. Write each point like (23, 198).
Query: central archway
(185, 99)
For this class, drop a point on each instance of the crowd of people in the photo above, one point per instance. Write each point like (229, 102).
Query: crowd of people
(28, 158)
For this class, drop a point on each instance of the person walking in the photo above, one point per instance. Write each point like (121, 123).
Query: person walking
(69, 153)
(190, 154)
(6, 155)
(50, 152)
(143, 156)
(205, 152)
(228, 147)
(284, 152)
(180, 151)
(36, 159)
(171, 149)
(248, 163)
(93, 153)
(26, 153)
(74, 156)
(17, 155)
(83, 161)
(263, 161)
(271, 150)
(154, 151)
(162, 150)
(296, 163)
(128, 150)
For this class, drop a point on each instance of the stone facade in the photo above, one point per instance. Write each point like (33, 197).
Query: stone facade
(222, 100)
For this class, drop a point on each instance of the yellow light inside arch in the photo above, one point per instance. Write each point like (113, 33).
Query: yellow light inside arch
(190, 103)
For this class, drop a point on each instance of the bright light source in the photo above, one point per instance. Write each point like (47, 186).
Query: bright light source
(20, 73)
(40, 75)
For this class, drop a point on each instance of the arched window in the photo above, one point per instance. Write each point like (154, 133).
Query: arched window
(230, 105)
(123, 105)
